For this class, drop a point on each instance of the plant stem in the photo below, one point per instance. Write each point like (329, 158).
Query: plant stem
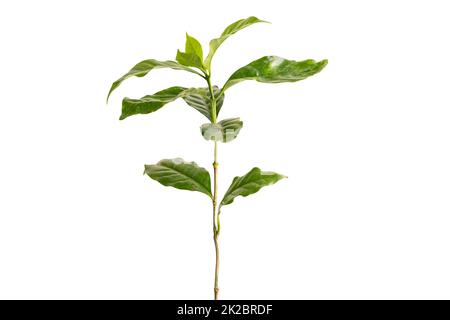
(215, 225)
(213, 100)
(214, 200)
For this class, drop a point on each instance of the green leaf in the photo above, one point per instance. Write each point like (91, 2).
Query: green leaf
(273, 69)
(200, 99)
(246, 185)
(193, 46)
(223, 131)
(189, 59)
(214, 44)
(144, 67)
(193, 55)
(150, 103)
(180, 174)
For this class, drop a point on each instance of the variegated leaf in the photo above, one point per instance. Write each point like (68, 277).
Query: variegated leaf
(200, 99)
(223, 131)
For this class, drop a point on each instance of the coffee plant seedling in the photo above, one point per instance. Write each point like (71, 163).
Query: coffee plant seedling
(208, 101)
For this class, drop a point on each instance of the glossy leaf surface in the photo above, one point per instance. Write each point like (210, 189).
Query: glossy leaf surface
(150, 103)
(200, 99)
(250, 183)
(223, 131)
(144, 67)
(180, 174)
(214, 44)
(273, 69)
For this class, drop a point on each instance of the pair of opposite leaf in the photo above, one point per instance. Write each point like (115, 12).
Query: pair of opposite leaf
(184, 175)
(269, 69)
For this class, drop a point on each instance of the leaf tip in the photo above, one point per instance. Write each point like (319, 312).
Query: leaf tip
(146, 166)
(113, 87)
(259, 20)
(322, 64)
(109, 94)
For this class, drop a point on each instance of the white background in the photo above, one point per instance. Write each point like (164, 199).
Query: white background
(364, 213)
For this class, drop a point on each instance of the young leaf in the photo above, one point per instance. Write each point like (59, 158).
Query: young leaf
(273, 69)
(200, 99)
(189, 60)
(193, 46)
(254, 180)
(180, 174)
(214, 44)
(150, 103)
(223, 131)
(193, 55)
(144, 67)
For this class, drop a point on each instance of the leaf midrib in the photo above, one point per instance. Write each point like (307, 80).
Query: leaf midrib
(183, 174)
